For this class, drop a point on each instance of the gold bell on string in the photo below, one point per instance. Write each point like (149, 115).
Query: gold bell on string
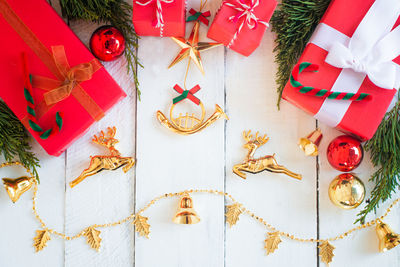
(387, 238)
(186, 213)
(16, 187)
(310, 143)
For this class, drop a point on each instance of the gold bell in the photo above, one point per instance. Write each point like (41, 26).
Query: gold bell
(310, 143)
(387, 238)
(16, 187)
(186, 213)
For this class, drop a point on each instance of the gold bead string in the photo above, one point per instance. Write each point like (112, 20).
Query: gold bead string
(181, 193)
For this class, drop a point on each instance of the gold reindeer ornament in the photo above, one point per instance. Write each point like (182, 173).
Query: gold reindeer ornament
(253, 165)
(189, 124)
(101, 163)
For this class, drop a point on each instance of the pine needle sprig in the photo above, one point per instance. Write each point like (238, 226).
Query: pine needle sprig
(293, 22)
(117, 13)
(384, 149)
(14, 143)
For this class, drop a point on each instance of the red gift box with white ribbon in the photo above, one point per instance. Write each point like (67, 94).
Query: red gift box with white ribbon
(356, 46)
(241, 24)
(159, 17)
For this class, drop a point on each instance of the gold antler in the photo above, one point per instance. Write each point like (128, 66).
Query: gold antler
(108, 140)
(247, 136)
(261, 140)
(99, 140)
(111, 131)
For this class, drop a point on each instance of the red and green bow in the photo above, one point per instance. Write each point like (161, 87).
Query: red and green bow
(200, 16)
(189, 94)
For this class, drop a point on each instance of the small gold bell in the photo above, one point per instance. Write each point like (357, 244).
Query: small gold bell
(186, 213)
(16, 187)
(387, 238)
(310, 143)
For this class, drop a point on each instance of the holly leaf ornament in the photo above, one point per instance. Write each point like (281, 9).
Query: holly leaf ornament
(93, 237)
(326, 252)
(141, 225)
(271, 242)
(232, 214)
(40, 240)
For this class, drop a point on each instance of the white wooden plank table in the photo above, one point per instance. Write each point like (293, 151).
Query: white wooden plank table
(167, 162)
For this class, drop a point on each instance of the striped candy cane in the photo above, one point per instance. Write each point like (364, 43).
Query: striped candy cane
(307, 90)
(246, 14)
(44, 134)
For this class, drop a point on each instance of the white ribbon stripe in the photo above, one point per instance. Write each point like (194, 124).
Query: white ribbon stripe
(369, 52)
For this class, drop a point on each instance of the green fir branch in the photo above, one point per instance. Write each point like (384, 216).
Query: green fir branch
(117, 13)
(14, 143)
(384, 148)
(293, 23)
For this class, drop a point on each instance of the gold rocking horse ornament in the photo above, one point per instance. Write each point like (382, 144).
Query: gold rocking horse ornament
(253, 165)
(101, 163)
(189, 124)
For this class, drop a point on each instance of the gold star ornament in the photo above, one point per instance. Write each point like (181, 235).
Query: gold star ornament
(192, 47)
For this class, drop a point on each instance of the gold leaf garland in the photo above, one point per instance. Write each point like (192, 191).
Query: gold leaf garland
(233, 213)
(94, 240)
(326, 252)
(93, 237)
(40, 240)
(271, 242)
(141, 225)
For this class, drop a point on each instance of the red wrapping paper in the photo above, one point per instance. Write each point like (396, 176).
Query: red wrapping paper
(51, 31)
(143, 18)
(222, 30)
(362, 118)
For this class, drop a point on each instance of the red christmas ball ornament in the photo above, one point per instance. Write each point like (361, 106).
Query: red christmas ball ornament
(345, 153)
(107, 43)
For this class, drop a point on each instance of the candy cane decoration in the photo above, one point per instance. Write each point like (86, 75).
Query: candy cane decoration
(324, 93)
(246, 13)
(44, 134)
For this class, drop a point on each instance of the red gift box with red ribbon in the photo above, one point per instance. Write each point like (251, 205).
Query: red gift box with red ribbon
(159, 17)
(56, 75)
(241, 24)
(355, 48)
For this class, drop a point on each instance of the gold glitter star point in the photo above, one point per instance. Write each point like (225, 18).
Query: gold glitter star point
(192, 47)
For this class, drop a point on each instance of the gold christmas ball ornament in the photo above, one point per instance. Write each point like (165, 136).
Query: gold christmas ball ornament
(346, 191)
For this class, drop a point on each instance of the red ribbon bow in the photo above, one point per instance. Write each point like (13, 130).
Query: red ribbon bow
(200, 16)
(187, 94)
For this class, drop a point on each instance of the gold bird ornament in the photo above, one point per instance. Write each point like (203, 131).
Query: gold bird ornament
(16, 187)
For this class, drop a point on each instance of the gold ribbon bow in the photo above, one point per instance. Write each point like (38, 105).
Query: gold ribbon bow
(58, 90)
(75, 75)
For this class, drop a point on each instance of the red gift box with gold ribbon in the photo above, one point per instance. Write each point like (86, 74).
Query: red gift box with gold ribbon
(356, 50)
(159, 17)
(241, 24)
(65, 78)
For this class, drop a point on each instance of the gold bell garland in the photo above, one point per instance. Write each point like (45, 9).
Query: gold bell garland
(233, 212)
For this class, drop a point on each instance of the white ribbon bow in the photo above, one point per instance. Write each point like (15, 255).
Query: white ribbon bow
(373, 46)
(159, 22)
(245, 11)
